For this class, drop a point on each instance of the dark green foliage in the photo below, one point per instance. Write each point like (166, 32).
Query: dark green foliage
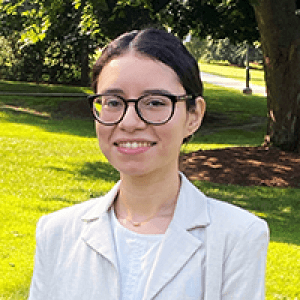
(216, 18)
(58, 37)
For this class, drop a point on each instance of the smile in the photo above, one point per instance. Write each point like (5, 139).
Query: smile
(134, 144)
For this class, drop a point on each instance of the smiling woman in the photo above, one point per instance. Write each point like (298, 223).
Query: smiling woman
(154, 235)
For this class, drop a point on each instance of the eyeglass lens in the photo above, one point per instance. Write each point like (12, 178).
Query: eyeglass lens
(154, 109)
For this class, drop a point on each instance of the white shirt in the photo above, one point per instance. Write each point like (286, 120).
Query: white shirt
(136, 254)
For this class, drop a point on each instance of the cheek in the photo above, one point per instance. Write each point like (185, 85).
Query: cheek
(103, 134)
(172, 135)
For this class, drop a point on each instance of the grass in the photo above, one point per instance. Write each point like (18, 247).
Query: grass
(256, 76)
(47, 164)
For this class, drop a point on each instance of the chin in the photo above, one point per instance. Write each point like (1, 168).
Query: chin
(133, 172)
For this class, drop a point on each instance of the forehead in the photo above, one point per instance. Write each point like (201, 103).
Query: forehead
(137, 73)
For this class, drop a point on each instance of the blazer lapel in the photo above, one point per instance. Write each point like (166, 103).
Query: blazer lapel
(97, 232)
(98, 236)
(179, 245)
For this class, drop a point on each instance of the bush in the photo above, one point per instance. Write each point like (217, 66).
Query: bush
(7, 57)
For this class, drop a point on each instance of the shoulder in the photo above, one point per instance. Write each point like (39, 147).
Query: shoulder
(221, 218)
(233, 225)
(73, 217)
(231, 215)
(218, 214)
(195, 209)
(67, 217)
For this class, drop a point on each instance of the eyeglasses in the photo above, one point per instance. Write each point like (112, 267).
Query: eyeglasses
(156, 109)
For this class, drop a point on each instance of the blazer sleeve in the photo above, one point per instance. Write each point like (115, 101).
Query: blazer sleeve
(38, 288)
(244, 267)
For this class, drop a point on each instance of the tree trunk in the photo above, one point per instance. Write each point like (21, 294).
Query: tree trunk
(279, 28)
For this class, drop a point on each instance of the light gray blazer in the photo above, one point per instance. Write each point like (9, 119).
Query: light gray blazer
(76, 259)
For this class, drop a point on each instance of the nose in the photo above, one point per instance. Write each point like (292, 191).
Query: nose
(131, 120)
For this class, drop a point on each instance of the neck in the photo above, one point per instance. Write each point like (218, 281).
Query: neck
(149, 194)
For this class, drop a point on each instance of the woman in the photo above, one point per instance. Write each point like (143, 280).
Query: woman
(154, 235)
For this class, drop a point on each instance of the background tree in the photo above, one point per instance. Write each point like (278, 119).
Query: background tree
(58, 37)
(219, 19)
(279, 32)
(279, 28)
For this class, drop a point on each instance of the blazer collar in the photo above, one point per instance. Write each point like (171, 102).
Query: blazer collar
(192, 207)
(103, 205)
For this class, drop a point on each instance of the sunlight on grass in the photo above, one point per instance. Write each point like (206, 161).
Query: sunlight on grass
(234, 103)
(256, 76)
(40, 172)
(283, 265)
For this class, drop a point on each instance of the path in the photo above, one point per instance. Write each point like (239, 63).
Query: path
(232, 83)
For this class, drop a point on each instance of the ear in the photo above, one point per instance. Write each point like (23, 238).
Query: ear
(195, 117)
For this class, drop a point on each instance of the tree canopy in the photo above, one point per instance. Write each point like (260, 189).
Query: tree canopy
(57, 38)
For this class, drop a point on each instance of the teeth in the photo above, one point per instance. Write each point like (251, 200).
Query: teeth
(134, 145)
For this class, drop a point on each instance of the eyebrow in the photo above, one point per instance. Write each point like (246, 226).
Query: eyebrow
(156, 91)
(152, 91)
(113, 91)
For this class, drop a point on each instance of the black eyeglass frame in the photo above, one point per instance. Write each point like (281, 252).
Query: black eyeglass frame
(174, 99)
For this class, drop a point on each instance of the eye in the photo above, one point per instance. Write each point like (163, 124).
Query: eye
(111, 102)
(156, 101)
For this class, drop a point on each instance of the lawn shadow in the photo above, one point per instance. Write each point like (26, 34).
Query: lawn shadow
(71, 126)
(99, 170)
(101, 173)
(92, 170)
(33, 87)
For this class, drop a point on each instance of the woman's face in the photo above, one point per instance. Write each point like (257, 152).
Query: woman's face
(132, 146)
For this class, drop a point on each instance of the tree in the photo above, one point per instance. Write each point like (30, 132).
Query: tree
(279, 32)
(279, 28)
(64, 34)
(56, 37)
(219, 19)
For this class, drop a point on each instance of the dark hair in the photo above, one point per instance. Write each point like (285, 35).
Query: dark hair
(159, 45)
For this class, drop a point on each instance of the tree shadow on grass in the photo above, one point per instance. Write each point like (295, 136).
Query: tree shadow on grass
(92, 170)
(70, 126)
(99, 170)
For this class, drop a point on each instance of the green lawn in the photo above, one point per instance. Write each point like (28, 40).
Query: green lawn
(256, 76)
(47, 164)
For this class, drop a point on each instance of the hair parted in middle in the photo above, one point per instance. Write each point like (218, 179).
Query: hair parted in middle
(159, 45)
